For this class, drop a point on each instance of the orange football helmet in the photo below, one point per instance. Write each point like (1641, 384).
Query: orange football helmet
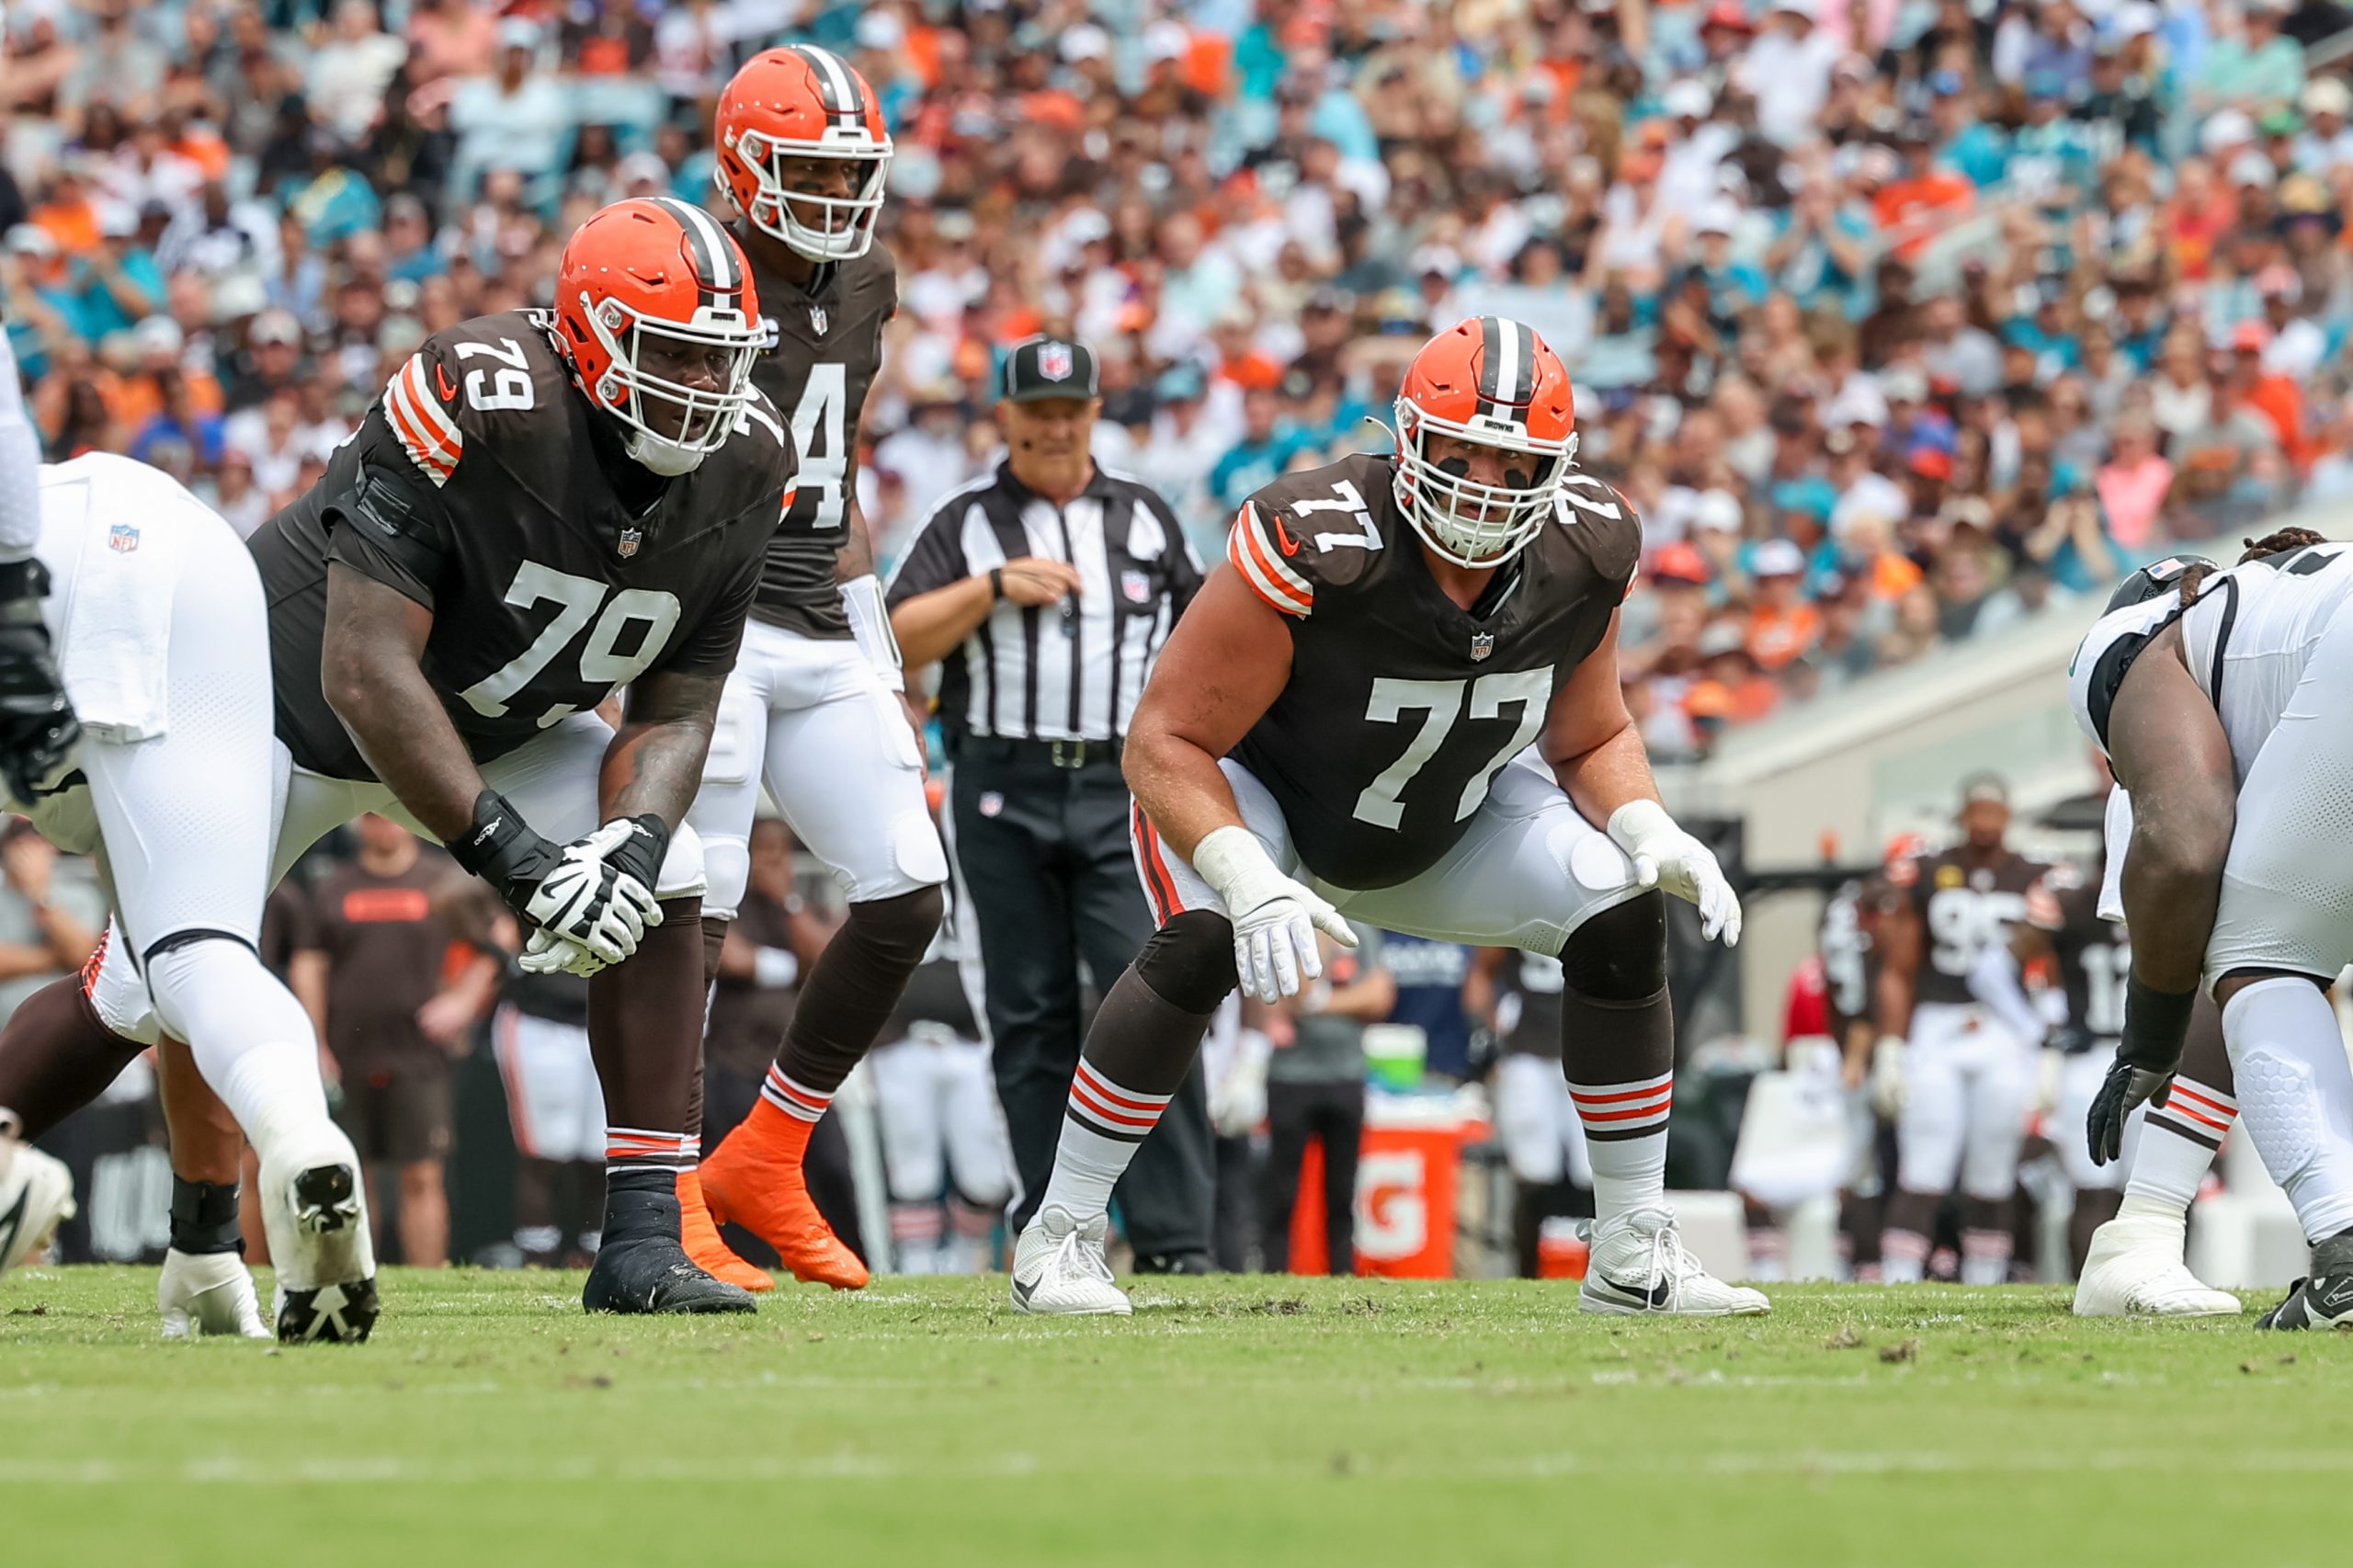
(802, 102)
(1493, 383)
(655, 309)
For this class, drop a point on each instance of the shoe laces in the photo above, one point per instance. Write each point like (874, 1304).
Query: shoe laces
(1667, 1259)
(1073, 1256)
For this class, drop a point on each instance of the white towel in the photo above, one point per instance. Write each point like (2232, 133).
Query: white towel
(133, 524)
(2118, 829)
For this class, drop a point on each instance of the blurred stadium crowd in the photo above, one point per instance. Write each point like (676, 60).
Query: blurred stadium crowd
(1899, 319)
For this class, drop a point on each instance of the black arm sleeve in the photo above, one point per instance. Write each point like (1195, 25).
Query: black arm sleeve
(935, 559)
(386, 522)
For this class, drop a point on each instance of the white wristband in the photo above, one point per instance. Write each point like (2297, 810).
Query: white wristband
(870, 626)
(1233, 861)
(1638, 823)
(773, 969)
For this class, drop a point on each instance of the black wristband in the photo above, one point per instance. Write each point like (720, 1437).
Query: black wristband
(500, 842)
(204, 1218)
(640, 854)
(25, 579)
(2155, 1024)
(996, 584)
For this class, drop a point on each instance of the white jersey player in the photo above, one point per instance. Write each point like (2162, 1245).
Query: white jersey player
(158, 615)
(2218, 700)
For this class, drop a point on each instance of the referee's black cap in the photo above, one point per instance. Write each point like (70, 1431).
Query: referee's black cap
(1048, 367)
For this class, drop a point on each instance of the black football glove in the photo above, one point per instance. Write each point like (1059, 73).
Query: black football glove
(2147, 1056)
(38, 730)
(598, 893)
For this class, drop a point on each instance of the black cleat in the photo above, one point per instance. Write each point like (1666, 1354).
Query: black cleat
(332, 1315)
(327, 1208)
(653, 1275)
(1175, 1263)
(2325, 1299)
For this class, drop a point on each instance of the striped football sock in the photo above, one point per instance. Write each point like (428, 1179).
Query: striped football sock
(1625, 1136)
(1101, 1126)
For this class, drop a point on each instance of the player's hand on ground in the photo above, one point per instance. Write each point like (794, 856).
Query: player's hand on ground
(2126, 1087)
(1032, 581)
(1670, 860)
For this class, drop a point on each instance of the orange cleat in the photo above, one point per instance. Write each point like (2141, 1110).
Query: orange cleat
(704, 1248)
(753, 1180)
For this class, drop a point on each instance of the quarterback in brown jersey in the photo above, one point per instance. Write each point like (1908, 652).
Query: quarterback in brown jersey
(813, 711)
(541, 510)
(1398, 703)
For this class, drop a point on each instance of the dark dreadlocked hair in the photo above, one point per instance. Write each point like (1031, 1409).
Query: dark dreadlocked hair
(2277, 543)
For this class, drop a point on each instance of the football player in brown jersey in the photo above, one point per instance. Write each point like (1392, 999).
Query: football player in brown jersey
(812, 708)
(541, 510)
(1967, 1077)
(1398, 703)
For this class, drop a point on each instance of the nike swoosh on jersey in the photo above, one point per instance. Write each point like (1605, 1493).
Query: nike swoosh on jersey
(444, 385)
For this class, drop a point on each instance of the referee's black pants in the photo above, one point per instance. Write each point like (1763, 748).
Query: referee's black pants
(1042, 854)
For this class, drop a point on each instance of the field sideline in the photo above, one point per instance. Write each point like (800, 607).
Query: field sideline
(1241, 1420)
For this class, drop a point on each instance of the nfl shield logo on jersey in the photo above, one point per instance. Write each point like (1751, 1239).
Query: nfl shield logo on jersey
(122, 539)
(1482, 644)
(1136, 587)
(630, 539)
(817, 320)
(1054, 361)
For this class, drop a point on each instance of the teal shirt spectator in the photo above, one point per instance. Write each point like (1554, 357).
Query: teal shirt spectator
(331, 206)
(1980, 153)
(1812, 276)
(1251, 466)
(1258, 63)
(2054, 353)
(2271, 73)
(91, 306)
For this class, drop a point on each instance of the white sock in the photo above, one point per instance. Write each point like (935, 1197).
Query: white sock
(1625, 1139)
(1101, 1128)
(251, 1038)
(1903, 1257)
(2296, 1096)
(1986, 1257)
(2177, 1146)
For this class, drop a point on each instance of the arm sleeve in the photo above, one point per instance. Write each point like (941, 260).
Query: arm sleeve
(934, 561)
(1994, 980)
(20, 465)
(386, 522)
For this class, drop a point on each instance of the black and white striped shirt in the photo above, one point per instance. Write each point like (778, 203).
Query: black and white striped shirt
(1056, 673)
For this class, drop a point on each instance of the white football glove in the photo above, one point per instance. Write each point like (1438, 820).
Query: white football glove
(1274, 918)
(1888, 1091)
(1670, 860)
(601, 895)
(546, 953)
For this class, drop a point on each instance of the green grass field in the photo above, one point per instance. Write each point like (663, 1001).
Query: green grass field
(1244, 1420)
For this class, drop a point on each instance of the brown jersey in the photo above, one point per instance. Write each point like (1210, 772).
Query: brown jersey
(482, 485)
(1963, 905)
(828, 348)
(1401, 706)
(2094, 956)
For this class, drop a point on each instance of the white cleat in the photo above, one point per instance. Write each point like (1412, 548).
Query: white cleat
(206, 1294)
(1058, 1267)
(2134, 1268)
(36, 1197)
(312, 1207)
(1639, 1266)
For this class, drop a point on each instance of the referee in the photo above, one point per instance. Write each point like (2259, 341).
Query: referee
(1046, 590)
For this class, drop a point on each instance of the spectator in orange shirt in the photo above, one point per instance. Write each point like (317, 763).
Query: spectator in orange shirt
(1926, 198)
(2277, 398)
(1782, 623)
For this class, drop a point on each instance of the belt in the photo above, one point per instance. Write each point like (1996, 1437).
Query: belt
(1069, 755)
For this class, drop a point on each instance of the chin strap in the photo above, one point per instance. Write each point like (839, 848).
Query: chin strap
(870, 625)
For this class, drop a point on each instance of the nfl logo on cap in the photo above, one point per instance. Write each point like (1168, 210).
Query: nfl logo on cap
(1054, 361)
